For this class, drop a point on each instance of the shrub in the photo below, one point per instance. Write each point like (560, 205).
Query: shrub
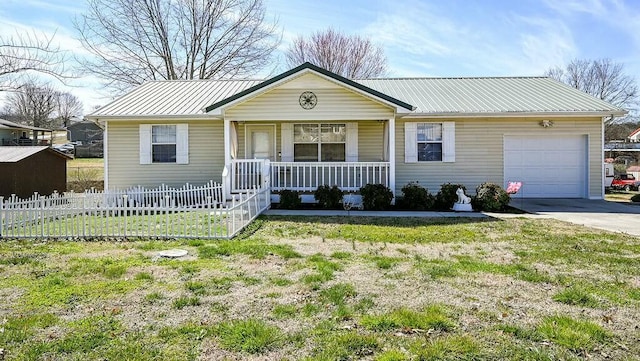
(447, 196)
(376, 197)
(290, 199)
(635, 198)
(417, 198)
(328, 197)
(490, 197)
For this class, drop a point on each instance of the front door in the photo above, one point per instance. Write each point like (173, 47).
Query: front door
(261, 144)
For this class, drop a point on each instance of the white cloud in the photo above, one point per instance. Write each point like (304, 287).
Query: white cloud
(428, 40)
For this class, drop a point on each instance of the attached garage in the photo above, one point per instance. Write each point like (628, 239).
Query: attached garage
(547, 166)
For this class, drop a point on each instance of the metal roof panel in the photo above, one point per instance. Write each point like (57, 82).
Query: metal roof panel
(490, 95)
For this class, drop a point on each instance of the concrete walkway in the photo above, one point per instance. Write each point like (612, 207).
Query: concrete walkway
(601, 214)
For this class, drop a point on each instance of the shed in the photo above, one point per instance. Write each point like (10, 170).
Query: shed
(25, 170)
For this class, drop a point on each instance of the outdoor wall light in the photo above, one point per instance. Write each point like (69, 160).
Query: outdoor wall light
(546, 123)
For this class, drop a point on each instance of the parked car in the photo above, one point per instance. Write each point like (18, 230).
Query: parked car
(625, 181)
(67, 148)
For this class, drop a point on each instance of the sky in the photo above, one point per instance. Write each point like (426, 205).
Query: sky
(437, 38)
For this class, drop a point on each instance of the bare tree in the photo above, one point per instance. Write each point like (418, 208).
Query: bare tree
(601, 78)
(67, 107)
(353, 57)
(23, 54)
(33, 105)
(137, 40)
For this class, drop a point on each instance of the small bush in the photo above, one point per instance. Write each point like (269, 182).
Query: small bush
(490, 197)
(635, 198)
(290, 199)
(417, 198)
(447, 196)
(376, 197)
(328, 197)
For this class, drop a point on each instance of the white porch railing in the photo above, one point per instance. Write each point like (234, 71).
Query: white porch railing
(307, 176)
(249, 174)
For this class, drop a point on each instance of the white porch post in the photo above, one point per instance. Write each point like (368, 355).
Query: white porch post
(392, 157)
(226, 178)
(105, 154)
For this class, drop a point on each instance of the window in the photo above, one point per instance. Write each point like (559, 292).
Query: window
(166, 143)
(319, 142)
(429, 142)
(163, 143)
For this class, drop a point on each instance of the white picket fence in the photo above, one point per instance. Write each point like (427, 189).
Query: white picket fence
(164, 212)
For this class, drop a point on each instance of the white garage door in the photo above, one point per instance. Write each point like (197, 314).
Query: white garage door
(548, 167)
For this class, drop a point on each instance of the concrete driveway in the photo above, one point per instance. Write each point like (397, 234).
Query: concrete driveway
(610, 216)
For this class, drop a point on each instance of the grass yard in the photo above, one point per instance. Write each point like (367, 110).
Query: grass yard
(84, 173)
(330, 289)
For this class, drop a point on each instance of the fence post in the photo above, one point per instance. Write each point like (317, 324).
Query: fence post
(166, 216)
(84, 209)
(208, 215)
(41, 216)
(2, 215)
(126, 209)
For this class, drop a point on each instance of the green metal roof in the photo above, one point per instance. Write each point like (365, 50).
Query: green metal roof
(493, 95)
(490, 96)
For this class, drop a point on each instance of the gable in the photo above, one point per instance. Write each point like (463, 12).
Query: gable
(308, 68)
(335, 102)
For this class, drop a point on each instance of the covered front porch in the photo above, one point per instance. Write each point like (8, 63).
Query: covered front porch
(290, 156)
(309, 127)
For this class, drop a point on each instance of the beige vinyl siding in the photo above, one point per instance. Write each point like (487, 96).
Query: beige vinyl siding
(206, 156)
(370, 140)
(479, 151)
(334, 103)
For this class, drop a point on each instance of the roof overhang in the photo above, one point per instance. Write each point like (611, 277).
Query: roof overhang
(172, 117)
(6, 124)
(618, 113)
(219, 107)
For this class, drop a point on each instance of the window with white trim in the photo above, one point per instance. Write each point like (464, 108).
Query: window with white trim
(319, 142)
(429, 142)
(163, 143)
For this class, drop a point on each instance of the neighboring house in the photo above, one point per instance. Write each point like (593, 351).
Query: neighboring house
(87, 136)
(86, 132)
(317, 128)
(634, 137)
(26, 170)
(19, 134)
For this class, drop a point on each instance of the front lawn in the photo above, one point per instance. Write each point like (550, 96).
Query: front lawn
(330, 289)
